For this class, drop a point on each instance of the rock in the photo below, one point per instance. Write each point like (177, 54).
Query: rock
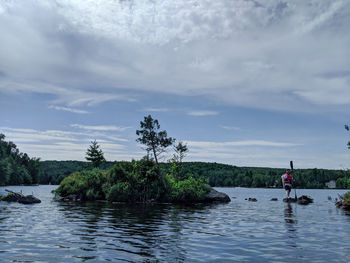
(252, 199)
(29, 199)
(274, 199)
(10, 198)
(215, 196)
(305, 200)
(343, 204)
(302, 200)
(68, 198)
(20, 198)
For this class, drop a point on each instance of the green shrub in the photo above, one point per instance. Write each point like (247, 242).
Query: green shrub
(347, 197)
(92, 194)
(120, 172)
(136, 181)
(188, 190)
(121, 192)
(86, 184)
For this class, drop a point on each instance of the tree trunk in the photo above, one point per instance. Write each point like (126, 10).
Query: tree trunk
(159, 171)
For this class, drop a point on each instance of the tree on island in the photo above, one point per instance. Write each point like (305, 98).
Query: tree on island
(155, 140)
(180, 151)
(348, 129)
(95, 154)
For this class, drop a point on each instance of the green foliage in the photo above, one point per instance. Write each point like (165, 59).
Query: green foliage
(180, 152)
(86, 184)
(120, 192)
(214, 173)
(155, 140)
(4, 172)
(232, 176)
(95, 154)
(136, 181)
(188, 190)
(343, 182)
(347, 197)
(53, 172)
(16, 167)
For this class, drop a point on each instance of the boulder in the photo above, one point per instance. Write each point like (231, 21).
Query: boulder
(20, 198)
(10, 198)
(29, 199)
(250, 199)
(274, 199)
(302, 200)
(305, 200)
(343, 204)
(215, 196)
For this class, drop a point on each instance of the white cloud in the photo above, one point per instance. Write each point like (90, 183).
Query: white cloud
(156, 110)
(261, 55)
(231, 128)
(99, 127)
(67, 145)
(201, 113)
(68, 109)
(58, 136)
(222, 145)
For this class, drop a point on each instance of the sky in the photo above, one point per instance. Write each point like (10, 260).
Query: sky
(243, 82)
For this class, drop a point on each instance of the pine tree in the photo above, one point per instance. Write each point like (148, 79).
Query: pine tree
(95, 154)
(155, 140)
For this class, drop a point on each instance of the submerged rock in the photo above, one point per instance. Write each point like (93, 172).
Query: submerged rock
(216, 196)
(302, 200)
(69, 198)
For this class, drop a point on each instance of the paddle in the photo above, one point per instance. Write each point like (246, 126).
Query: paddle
(295, 191)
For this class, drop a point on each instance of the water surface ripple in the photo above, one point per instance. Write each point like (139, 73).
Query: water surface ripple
(241, 231)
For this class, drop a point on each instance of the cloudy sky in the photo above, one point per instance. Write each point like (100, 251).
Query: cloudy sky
(243, 82)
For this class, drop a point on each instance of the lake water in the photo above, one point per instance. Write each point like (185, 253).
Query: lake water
(240, 231)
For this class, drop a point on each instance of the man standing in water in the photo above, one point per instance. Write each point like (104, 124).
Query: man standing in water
(287, 181)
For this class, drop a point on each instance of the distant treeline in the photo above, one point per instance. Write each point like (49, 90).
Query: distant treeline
(16, 167)
(214, 173)
(53, 172)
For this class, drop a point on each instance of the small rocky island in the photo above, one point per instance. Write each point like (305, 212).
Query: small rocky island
(141, 181)
(213, 196)
(20, 198)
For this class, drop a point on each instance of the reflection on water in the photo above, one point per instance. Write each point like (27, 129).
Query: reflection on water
(288, 216)
(240, 231)
(138, 231)
(290, 222)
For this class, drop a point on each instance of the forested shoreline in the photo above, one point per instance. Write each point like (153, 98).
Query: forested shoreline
(216, 174)
(17, 168)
